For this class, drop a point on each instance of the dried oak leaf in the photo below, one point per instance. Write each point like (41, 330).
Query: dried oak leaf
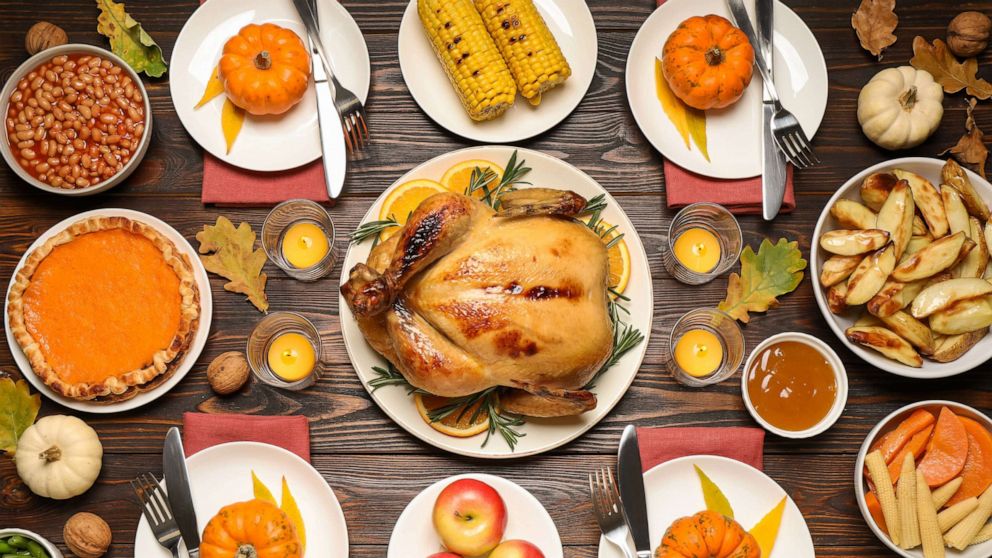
(970, 149)
(18, 409)
(947, 71)
(230, 253)
(874, 23)
(776, 269)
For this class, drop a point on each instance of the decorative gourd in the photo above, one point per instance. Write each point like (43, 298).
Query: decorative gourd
(59, 457)
(707, 62)
(900, 107)
(265, 69)
(707, 534)
(252, 529)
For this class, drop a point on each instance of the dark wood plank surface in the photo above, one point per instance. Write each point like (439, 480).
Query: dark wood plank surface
(374, 466)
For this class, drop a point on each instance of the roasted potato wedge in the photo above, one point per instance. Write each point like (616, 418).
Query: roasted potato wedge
(844, 242)
(919, 227)
(975, 262)
(836, 298)
(953, 175)
(896, 216)
(912, 330)
(867, 279)
(894, 296)
(941, 254)
(941, 295)
(867, 320)
(916, 244)
(853, 215)
(927, 200)
(876, 187)
(837, 268)
(886, 342)
(953, 347)
(957, 214)
(963, 316)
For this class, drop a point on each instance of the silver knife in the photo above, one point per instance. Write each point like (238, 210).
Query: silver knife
(328, 118)
(632, 496)
(773, 173)
(177, 485)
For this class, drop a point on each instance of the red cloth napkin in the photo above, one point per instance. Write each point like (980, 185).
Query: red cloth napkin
(659, 445)
(740, 196)
(202, 430)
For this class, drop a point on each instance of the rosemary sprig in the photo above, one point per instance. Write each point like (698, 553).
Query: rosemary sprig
(625, 338)
(390, 376)
(512, 175)
(372, 229)
(595, 205)
(488, 402)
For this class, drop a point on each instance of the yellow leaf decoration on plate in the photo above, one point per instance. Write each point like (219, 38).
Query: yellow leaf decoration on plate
(232, 118)
(129, 40)
(293, 511)
(715, 499)
(697, 129)
(214, 87)
(766, 531)
(776, 269)
(261, 491)
(18, 409)
(231, 253)
(688, 121)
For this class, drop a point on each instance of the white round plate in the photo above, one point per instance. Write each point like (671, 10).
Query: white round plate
(221, 475)
(571, 23)
(672, 491)
(541, 434)
(266, 143)
(188, 360)
(800, 77)
(414, 533)
(929, 169)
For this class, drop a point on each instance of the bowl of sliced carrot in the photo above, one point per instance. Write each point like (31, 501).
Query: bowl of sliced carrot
(923, 481)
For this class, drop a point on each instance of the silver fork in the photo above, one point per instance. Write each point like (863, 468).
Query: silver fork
(788, 133)
(609, 512)
(155, 507)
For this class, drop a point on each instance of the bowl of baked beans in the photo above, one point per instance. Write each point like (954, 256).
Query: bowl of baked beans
(77, 120)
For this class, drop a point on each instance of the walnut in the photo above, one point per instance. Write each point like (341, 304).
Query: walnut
(228, 372)
(87, 535)
(968, 34)
(44, 35)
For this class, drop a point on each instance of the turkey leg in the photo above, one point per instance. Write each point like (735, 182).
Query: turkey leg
(540, 201)
(539, 401)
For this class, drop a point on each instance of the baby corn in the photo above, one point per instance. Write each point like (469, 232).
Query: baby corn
(909, 537)
(469, 57)
(879, 472)
(930, 535)
(527, 45)
(944, 493)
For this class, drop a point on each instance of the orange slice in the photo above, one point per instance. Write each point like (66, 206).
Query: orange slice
(618, 255)
(457, 178)
(459, 423)
(404, 199)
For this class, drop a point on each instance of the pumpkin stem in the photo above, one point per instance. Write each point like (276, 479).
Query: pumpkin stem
(263, 61)
(908, 99)
(246, 551)
(51, 455)
(714, 56)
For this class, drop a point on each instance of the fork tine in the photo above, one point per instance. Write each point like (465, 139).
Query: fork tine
(359, 137)
(800, 152)
(786, 149)
(146, 507)
(153, 503)
(799, 139)
(365, 128)
(347, 135)
(159, 498)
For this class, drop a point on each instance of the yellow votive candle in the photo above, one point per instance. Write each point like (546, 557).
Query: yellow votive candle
(698, 249)
(291, 356)
(699, 352)
(304, 245)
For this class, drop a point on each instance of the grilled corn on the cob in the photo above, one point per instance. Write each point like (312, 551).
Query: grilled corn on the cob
(527, 45)
(469, 56)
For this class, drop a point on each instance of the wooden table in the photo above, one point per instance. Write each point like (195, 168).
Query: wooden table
(375, 467)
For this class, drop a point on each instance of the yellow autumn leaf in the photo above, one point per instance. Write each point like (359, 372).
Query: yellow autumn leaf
(715, 499)
(261, 491)
(18, 409)
(293, 511)
(214, 87)
(232, 118)
(696, 121)
(673, 107)
(231, 253)
(766, 531)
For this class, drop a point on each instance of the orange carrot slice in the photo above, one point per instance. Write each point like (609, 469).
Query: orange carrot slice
(977, 473)
(891, 443)
(875, 509)
(916, 445)
(947, 451)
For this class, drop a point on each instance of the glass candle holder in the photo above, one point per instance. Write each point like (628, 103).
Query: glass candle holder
(300, 231)
(706, 347)
(695, 233)
(284, 351)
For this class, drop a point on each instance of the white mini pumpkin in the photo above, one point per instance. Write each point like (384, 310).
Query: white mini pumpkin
(59, 457)
(900, 107)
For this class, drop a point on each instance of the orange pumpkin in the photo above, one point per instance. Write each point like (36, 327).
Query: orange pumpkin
(252, 529)
(265, 69)
(707, 62)
(707, 534)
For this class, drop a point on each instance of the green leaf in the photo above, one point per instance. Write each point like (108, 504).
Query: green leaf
(776, 269)
(128, 40)
(715, 499)
(18, 409)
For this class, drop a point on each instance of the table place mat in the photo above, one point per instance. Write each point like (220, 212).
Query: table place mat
(203, 430)
(659, 445)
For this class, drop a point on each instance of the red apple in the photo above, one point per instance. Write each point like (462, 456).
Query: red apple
(516, 549)
(444, 555)
(470, 517)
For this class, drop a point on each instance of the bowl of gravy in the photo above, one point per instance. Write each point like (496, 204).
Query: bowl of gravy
(794, 385)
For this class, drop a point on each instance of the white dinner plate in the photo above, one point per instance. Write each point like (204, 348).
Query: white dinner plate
(414, 534)
(188, 359)
(571, 23)
(541, 434)
(672, 491)
(734, 133)
(221, 475)
(266, 143)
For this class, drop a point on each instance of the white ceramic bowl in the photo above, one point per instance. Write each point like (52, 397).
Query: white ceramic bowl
(983, 550)
(44, 56)
(50, 548)
(929, 169)
(840, 374)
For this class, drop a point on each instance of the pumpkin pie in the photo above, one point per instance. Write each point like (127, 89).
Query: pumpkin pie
(104, 308)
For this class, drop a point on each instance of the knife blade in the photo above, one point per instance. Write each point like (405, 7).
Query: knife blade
(773, 171)
(631, 485)
(328, 118)
(177, 485)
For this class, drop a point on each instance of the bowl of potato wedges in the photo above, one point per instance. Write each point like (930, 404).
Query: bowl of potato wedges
(900, 262)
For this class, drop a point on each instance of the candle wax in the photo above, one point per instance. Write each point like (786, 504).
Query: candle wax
(291, 356)
(699, 352)
(304, 245)
(698, 249)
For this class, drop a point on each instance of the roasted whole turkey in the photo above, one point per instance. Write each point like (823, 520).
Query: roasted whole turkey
(464, 298)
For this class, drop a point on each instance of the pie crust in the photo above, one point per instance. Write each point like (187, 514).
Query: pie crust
(154, 368)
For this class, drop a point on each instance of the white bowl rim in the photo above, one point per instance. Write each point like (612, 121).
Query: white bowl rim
(932, 370)
(48, 545)
(840, 374)
(37, 59)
